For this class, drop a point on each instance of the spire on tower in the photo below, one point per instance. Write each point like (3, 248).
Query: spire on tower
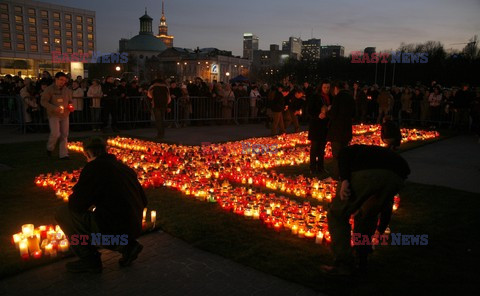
(163, 7)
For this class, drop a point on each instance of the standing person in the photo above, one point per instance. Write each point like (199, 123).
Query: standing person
(406, 101)
(77, 96)
(184, 107)
(228, 99)
(31, 110)
(113, 189)
(417, 99)
(385, 103)
(278, 106)
(56, 99)
(254, 98)
(461, 105)
(309, 91)
(110, 103)
(294, 108)
(363, 103)
(435, 102)
(372, 103)
(356, 97)
(340, 113)
(370, 176)
(318, 126)
(160, 96)
(95, 94)
(396, 102)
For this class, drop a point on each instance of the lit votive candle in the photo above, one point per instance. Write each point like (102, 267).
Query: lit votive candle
(16, 239)
(33, 244)
(27, 230)
(319, 237)
(23, 246)
(153, 217)
(37, 254)
(144, 214)
(295, 229)
(63, 246)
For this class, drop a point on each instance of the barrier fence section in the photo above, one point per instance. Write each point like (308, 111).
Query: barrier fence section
(134, 112)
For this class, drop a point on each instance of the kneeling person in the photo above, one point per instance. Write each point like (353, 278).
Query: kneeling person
(107, 200)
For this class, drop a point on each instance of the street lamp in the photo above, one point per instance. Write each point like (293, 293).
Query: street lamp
(117, 68)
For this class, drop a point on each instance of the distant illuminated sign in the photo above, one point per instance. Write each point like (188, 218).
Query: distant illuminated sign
(214, 69)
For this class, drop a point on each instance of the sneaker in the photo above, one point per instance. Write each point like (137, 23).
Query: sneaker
(130, 254)
(93, 265)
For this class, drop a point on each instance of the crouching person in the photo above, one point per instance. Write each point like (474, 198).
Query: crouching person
(370, 176)
(107, 200)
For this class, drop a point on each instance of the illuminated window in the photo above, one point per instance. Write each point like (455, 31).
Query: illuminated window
(32, 30)
(33, 39)
(68, 17)
(80, 50)
(57, 41)
(68, 26)
(90, 36)
(79, 19)
(68, 34)
(57, 32)
(56, 24)
(32, 21)
(79, 28)
(45, 23)
(90, 45)
(90, 29)
(45, 32)
(45, 40)
(58, 49)
(18, 9)
(69, 49)
(56, 15)
(20, 46)
(80, 43)
(19, 28)
(19, 19)
(89, 20)
(31, 11)
(7, 45)
(46, 48)
(44, 13)
(79, 35)
(33, 47)
(20, 37)
(69, 42)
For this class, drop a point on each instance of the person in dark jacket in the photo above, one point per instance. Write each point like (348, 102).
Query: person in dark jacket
(318, 126)
(296, 100)
(461, 106)
(107, 200)
(160, 95)
(109, 103)
(340, 114)
(277, 105)
(370, 176)
(390, 133)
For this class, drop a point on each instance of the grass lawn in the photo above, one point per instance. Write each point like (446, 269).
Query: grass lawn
(449, 217)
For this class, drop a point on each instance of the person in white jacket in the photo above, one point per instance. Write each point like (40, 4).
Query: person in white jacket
(254, 97)
(95, 93)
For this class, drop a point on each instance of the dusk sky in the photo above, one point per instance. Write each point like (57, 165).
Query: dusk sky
(383, 24)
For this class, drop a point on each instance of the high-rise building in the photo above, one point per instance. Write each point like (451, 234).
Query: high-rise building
(293, 47)
(250, 43)
(163, 29)
(311, 49)
(332, 51)
(32, 32)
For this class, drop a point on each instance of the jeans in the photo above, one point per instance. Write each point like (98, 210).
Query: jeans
(317, 155)
(159, 113)
(58, 130)
(277, 123)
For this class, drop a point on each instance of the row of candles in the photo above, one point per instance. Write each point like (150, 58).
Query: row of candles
(41, 241)
(204, 172)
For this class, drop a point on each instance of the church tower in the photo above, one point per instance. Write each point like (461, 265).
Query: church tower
(163, 29)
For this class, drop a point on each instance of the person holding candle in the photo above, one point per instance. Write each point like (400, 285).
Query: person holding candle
(318, 127)
(370, 177)
(118, 199)
(56, 99)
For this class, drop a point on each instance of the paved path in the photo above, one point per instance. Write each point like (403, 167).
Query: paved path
(167, 266)
(453, 163)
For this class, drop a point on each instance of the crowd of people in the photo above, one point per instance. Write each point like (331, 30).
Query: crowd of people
(200, 102)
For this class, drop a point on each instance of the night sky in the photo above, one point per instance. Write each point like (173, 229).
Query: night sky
(383, 24)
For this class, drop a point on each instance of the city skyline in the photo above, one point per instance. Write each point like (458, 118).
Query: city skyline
(212, 23)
